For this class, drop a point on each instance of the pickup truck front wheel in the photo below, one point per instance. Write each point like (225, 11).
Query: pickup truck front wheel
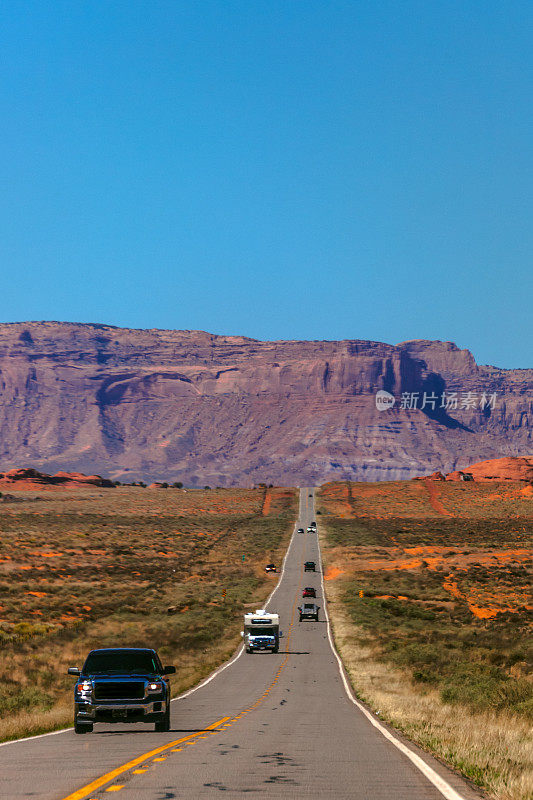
(163, 724)
(83, 727)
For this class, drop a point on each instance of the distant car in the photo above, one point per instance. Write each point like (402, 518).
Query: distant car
(308, 611)
(310, 495)
(271, 568)
(313, 524)
(309, 566)
(309, 591)
(310, 529)
(300, 530)
(122, 685)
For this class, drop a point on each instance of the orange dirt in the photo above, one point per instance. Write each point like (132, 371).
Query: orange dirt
(267, 502)
(337, 496)
(493, 603)
(436, 504)
(390, 597)
(447, 557)
(332, 572)
(46, 555)
(486, 565)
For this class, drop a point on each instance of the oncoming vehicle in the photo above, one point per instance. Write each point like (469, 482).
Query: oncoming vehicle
(308, 611)
(122, 685)
(300, 530)
(309, 591)
(261, 631)
(310, 529)
(271, 568)
(309, 566)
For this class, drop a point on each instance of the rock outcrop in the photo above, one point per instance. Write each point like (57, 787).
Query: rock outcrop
(22, 477)
(226, 410)
(502, 469)
(494, 469)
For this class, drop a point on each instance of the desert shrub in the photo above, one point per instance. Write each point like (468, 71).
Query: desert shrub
(23, 699)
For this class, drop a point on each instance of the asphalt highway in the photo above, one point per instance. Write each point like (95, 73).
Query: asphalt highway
(267, 725)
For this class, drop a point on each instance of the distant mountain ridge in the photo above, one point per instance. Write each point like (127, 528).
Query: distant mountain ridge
(230, 410)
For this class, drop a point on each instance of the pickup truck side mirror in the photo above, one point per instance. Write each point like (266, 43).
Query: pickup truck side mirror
(74, 671)
(299, 608)
(169, 670)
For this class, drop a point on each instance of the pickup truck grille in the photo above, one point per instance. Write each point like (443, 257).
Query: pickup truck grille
(119, 690)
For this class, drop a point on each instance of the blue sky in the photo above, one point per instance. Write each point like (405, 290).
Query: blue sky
(314, 170)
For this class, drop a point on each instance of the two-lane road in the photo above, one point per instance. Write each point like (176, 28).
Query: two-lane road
(278, 726)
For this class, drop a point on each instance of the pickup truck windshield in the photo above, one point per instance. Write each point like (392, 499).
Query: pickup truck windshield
(257, 631)
(136, 662)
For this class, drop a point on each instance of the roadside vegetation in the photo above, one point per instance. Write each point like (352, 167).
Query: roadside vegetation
(166, 568)
(430, 597)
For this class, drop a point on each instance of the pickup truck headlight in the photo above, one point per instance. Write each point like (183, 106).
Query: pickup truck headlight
(155, 686)
(83, 687)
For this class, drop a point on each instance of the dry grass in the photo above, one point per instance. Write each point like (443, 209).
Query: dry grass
(82, 569)
(416, 499)
(440, 637)
(495, 750)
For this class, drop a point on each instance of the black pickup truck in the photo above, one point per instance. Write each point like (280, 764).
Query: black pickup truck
(122, 685)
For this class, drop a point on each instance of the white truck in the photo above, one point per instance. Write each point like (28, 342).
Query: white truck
(261, 631)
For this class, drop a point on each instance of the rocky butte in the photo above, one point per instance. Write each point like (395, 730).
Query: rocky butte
(496, 469)
(170, 405)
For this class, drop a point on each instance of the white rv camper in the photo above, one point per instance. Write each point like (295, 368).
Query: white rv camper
(261, 631)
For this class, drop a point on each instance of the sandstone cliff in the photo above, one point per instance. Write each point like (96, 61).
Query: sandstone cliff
(498, 469)
(227, 410)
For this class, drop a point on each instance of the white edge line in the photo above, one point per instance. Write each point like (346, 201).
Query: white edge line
(37, 736)
(443, 786)
(240, 651)
(206, 680)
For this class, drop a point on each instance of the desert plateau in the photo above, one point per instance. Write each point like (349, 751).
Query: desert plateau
(189, 406)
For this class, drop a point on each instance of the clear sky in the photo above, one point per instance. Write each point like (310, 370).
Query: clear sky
(295, 169)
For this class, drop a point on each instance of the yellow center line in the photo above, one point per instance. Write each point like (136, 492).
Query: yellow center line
(83, 793)
(277, 674)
